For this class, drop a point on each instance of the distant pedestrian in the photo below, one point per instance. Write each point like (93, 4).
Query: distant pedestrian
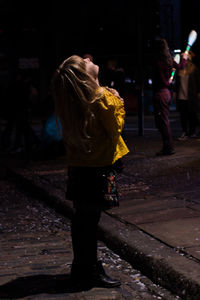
(163, 64)
(187, 97)
(18, 112)
(52, 145)
(113, 76)
(92, 119)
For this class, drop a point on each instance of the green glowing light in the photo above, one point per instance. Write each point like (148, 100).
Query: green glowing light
(188, 48)
(173, 72)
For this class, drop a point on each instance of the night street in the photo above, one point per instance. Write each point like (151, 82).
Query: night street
(36, 255)
(86, 90)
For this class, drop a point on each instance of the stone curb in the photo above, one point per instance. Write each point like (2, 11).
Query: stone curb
(162, 264)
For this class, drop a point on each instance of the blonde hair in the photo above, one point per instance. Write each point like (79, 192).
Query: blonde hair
(75, 92)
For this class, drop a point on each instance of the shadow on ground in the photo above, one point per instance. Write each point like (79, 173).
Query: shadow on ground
(39, 284)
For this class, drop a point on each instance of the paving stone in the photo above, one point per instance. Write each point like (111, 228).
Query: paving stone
(178, 233)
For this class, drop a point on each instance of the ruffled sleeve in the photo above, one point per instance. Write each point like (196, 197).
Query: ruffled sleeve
(111, 114)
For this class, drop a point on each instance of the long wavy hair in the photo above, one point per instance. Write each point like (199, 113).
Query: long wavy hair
(74, 92)
(161, 51)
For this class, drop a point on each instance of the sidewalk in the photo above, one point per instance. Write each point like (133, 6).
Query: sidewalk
(157, 226)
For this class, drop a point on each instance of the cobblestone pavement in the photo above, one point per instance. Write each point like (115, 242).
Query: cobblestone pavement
(36, 255)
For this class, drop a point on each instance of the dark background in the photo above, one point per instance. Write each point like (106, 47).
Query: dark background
(38, 35)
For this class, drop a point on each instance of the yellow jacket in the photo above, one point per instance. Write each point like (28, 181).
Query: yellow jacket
(107, 145)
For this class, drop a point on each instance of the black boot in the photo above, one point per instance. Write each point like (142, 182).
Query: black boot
(80, 277)
(101, 279)
(85, 277)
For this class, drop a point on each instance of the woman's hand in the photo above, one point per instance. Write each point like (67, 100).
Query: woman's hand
(185, 55)
(115, 93)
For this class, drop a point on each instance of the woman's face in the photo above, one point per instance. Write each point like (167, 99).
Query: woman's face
(91, 68)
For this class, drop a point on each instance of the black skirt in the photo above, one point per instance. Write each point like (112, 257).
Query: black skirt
(92, 187)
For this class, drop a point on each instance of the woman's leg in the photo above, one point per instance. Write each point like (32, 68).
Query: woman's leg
(193, 122)
(84, 236)
(183, 110)
(161, 111)
(87, 271)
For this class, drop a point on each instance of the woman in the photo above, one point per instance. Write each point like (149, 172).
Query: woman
(92, 119)
(163, 65)
(187, 95)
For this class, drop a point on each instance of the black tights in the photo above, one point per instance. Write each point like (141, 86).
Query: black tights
(84, 235)
(188, 117)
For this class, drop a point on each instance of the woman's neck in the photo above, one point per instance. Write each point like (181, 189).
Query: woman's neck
(97, 81)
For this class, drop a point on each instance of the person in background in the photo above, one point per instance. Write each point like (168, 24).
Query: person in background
(163, 64)
(51, 145)
(187, 96)
(21, 92)
(92, 118)
(113, 76)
